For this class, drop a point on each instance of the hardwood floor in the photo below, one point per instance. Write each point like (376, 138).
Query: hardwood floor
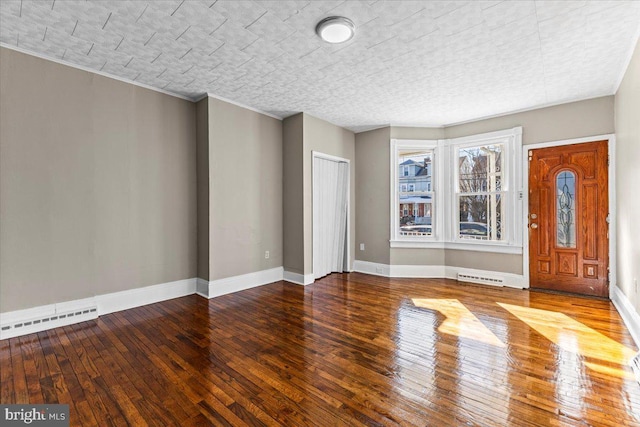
(349, 350)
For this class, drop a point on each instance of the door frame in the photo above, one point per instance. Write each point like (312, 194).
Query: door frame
(314, 155)
(611, 148)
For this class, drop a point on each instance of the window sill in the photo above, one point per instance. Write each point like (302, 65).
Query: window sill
(416, 244)
(459, 246)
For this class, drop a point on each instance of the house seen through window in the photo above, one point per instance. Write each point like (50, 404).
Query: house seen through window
(480, 195)
(415, 197)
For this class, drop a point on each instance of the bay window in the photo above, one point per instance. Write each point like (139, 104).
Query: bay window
(461, 193)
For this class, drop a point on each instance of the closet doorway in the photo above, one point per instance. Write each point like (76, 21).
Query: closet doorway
(331, 212)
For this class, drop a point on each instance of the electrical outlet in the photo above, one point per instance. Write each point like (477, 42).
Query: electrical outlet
(266, 254)
(362, 246)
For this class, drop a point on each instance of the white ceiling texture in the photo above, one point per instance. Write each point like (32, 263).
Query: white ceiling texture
(430, 63)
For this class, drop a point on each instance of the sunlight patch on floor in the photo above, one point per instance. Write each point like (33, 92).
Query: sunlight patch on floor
(608, 370)
(459, 320)
(571, 335)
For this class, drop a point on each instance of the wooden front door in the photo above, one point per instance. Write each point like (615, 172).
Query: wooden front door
(568, 228)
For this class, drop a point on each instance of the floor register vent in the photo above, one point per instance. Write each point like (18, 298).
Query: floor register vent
(483, 280)
(48, 321)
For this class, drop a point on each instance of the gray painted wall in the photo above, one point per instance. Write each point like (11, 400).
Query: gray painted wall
(416, 133)
(627, 117)
(202, 166)
(506, 263)
(97, 184)
(567, 121)
(326, 138)
(245, 190)
(120, 187)
(372, 195)
(412, 256)
(304, 134)
(293, 201)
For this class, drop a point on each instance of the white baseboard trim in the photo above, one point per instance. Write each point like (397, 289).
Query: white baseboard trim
(41, 318)
(36, 319)
(298, 279)
(229, 285)
(628, 313)
(374, 268)
(202, 287)
(437, 272)
(124, 300)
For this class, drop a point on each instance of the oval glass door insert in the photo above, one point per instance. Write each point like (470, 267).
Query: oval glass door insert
(566, 210)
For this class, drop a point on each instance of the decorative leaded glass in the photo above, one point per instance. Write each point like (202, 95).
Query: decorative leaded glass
(566, 210)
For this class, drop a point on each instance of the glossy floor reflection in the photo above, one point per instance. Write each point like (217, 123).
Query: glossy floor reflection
(459, 321)
(349, 350)
(571, 335)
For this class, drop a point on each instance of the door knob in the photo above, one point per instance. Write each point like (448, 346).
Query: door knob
(534, 225)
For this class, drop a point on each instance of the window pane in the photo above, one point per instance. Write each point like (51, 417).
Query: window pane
(415, 216)
(414, 170)
(415, 197)
(481, 217)
(479, 168)
(565, 215)
(495, 183)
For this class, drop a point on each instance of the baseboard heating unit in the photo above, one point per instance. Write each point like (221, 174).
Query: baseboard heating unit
(483, 280)
(16, 327)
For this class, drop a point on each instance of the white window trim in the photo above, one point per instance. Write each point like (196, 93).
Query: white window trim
(446, 213)
(436, 224)
(512, 143)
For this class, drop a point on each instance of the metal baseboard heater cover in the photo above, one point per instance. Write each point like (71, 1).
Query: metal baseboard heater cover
(48, 321)
(483, 280)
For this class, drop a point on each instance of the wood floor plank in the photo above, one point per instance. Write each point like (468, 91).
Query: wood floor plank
(7, 394)
(102, 402)
(33, 371)
(19, 379)
(350, 350)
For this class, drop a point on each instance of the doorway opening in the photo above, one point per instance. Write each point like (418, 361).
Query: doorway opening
(568, 218)
(331, 213)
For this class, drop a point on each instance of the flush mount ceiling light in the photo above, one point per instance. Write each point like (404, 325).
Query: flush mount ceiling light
(335, 29)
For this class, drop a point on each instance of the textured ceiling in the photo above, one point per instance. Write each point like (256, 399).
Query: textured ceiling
(411, 62)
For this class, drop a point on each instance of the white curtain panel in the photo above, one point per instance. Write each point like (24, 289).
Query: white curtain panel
(330, 183)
